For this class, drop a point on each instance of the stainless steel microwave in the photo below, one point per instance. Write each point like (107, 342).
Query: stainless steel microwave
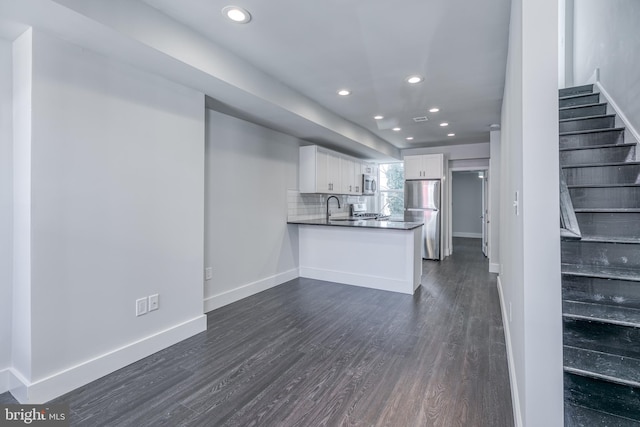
(369, 184)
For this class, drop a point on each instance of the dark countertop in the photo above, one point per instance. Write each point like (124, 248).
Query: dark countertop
(370, 223)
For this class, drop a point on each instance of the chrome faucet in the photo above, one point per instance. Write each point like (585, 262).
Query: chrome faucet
(329, 198)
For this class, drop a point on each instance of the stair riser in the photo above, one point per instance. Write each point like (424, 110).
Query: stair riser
(603, 175)
(591, 139)
(606, 197)
(591, 110)
(598, 224)
(611, 154)
(621, 293)
(575, 90)
(603, 254)
(602, 395)
(606, 338)
(587, 124)
(581, 100)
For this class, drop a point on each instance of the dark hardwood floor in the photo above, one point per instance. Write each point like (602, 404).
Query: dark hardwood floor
(311, 353)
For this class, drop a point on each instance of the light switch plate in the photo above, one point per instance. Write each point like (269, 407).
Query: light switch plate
(141, 306)
(153, 302)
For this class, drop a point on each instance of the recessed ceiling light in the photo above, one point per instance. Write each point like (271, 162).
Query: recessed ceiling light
(444, 124)
(344, 92)
(434, 110)
(378, 117)
(451, 134)
(236, 14)
(409, 138)
(396, 129)
(414, 79)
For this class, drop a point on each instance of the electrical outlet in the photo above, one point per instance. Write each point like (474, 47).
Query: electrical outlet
(153, 302)
(208, 273)
(141, 306)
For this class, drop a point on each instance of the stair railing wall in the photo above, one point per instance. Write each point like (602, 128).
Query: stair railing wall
(569, 227)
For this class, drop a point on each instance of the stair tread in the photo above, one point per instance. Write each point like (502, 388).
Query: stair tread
(579, 132)
(579, 416)
(618, 185)
(607, 239)
(615, 315)
(607, 210)
(577, 95)
(590, 165)
(571, 107)
(601, 272)
(609, 367)
(595, 147)
(598, 116)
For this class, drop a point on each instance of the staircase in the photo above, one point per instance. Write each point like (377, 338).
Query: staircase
(600, 265)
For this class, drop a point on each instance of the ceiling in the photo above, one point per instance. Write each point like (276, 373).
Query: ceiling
(297, 54)
(370, 47)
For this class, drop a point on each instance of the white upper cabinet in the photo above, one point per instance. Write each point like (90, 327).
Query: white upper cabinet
(350, 175)
(426, 166)
(325, 171)
(319, 171)
(369, 169)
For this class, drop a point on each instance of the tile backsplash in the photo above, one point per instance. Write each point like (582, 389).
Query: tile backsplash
(301, 206)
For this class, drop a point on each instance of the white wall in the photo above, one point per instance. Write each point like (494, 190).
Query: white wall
(117, 182)
(469, 163)
(466, 204)
(453, 152)
(248, 244)
(530, 241)
(494, 202)
(606, 36)
(6, 208)
(21, 334)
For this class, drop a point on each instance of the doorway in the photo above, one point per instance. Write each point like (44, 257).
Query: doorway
(469, 206)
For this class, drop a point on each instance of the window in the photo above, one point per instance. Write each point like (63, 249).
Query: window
(391, 183)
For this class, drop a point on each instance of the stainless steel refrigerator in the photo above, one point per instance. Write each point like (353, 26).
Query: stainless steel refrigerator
(422, 204)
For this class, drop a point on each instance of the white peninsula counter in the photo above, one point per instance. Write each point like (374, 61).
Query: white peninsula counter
(382, 255)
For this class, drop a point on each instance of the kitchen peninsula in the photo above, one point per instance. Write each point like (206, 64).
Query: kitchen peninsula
(375, 254)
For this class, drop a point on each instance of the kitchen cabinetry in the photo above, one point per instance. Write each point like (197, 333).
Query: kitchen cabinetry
(426, 166)
(328, 172)
(351, 176)
(369, 169)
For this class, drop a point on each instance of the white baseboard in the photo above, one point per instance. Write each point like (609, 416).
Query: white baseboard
(468, 235)
(65, 381)
(515, 397)
(371, 282)
(228, 297)
(4, 380)
(494, 267)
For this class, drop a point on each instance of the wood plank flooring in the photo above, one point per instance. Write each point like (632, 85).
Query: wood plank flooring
(312, 353)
